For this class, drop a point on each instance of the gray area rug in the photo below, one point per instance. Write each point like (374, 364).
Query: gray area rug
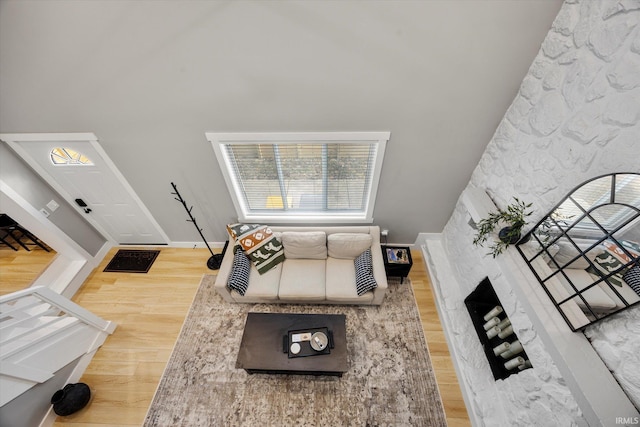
(390, 381)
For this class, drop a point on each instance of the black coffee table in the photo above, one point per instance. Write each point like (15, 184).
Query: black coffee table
(262, 347)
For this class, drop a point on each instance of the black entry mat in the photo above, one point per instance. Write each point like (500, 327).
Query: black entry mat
(132, 261)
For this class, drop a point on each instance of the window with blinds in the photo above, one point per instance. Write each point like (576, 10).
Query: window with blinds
(302, 177)
(606, 200)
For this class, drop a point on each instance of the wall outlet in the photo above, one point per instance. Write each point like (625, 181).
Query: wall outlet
(44, 212)
(53, 205)
(384, 233)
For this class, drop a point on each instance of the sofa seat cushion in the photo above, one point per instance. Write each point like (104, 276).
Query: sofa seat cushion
(262, 287)
(302, 279)
(341, 279)
(595, 297)
(627, 291)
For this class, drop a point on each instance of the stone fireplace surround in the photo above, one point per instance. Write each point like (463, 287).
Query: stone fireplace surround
(569, 383)
(482, 301)
(576, 116)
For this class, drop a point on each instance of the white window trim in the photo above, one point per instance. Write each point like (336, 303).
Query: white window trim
(218, 140)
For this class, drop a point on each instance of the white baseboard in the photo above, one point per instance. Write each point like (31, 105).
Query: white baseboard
(193, 245)
(447, 328)
(422, 238)
(83, 362)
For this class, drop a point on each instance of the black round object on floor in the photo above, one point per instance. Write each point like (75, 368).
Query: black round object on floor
(71, 398)
(214, 262)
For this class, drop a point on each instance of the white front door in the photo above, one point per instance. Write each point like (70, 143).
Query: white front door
(92, 184)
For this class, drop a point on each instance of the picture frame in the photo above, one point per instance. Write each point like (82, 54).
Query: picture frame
(397, 256)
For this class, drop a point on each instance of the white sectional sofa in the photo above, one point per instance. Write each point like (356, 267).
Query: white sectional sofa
(318, 268)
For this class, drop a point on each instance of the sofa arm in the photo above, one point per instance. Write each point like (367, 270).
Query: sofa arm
(224, 272)
(379, 274)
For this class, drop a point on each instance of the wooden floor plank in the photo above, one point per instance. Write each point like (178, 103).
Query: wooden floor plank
(18, 269)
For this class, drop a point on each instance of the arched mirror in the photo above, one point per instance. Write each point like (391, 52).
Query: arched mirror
(586, 252)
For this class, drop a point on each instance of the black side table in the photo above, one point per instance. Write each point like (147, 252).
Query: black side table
(397, 261)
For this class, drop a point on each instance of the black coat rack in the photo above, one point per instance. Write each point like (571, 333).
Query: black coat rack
(216, 259)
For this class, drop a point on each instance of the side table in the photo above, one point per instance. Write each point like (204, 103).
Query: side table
(397, 261)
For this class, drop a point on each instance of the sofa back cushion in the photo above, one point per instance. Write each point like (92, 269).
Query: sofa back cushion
(304, 244)
(348, 245)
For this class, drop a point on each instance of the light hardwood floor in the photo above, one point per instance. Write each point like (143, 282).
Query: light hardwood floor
(150, 309)
(18, 269)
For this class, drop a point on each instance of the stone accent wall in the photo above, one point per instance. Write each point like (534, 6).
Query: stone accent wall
(576, 116)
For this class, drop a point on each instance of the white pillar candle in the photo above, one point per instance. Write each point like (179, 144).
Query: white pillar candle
(514, 363)
(501, 349)
(493, 313)
(505, 332)
(514, 349)
(493, 332)
(525, 365)
(491, 323)
(506, 322)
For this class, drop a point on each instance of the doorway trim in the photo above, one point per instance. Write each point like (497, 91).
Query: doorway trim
(14, 140)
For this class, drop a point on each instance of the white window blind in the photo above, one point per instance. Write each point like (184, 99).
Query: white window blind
(607, 199)
(302, 177)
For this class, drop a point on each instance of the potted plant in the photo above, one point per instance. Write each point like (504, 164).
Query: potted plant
(551, 227)
(512, 220)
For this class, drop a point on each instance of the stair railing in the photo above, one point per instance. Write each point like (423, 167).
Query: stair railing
(38, 316)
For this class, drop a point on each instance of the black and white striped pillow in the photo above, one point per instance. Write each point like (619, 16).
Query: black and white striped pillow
(632, 277)
(365, 281)
(239, 276)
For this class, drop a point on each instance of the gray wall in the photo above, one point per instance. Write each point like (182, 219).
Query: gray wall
(30, 408)
(150, 78)
(21, 178)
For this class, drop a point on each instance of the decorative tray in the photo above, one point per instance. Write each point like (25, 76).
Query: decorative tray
(308, 342)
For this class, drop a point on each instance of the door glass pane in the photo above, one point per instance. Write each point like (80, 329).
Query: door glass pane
(67, 156)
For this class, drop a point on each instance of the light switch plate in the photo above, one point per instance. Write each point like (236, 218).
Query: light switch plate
(44, 212)
(53, 205)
